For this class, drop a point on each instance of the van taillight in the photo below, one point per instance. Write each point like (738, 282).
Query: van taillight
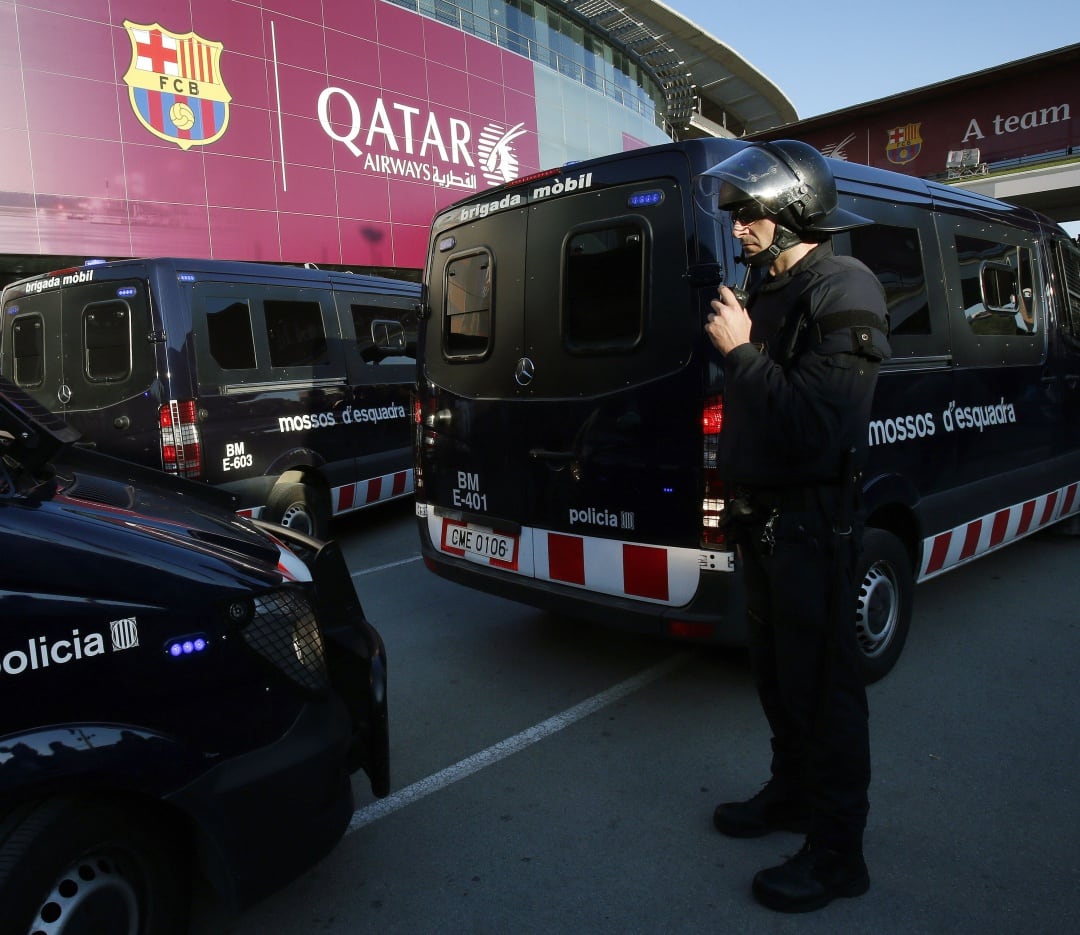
(712, 419)
(181, 450)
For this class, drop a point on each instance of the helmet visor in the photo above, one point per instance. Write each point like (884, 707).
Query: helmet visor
(752, 174)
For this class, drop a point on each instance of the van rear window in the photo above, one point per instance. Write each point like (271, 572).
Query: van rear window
(28, 350)
(603, 289)
(107, 341)
(467, 329)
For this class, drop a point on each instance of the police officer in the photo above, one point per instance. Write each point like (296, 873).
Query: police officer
(800, 363)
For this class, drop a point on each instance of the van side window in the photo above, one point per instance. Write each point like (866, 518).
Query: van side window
(467, 326)
(895, 256)
(28, 350)
(107, 341)
(296, 334)
(228, 330)
(603, 289)
(997, 287)
(1070, 269)
(380, 335)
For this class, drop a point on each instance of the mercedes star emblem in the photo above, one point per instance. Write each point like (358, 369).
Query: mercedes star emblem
(524, 371)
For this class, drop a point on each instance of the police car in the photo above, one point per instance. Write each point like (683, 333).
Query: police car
(182, 691)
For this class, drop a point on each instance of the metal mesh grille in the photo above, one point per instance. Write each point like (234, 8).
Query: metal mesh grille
(285, 632)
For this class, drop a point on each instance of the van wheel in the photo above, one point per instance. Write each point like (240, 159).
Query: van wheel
(78, 865)
(299, 506)
(885, 588)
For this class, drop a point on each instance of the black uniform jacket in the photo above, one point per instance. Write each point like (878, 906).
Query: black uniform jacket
(798, 397)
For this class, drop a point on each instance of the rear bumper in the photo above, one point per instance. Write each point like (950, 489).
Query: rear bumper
(714, 615)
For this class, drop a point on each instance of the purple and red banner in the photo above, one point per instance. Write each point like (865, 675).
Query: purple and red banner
(280, 131)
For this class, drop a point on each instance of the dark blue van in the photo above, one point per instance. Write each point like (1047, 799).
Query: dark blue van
(184, 693)
(569, 405)
(287, 386)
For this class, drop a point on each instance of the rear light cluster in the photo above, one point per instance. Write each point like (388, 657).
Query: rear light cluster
(712, 419)
(181, 449)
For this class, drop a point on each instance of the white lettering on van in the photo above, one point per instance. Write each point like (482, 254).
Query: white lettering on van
(562, 187)
(348, 416)
(306, 422)
(236, 457)
(591, 516)
(56, 282)
(472, 212)
(957, 418)
(914, 426)
(468, 493)
(902, 428)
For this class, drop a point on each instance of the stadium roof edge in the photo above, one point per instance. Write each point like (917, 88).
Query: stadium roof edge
(731, 92)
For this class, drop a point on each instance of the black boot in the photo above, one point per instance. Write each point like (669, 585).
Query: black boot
(774, 808)
(813, 878)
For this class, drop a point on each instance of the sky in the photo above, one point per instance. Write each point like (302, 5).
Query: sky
(825, 55)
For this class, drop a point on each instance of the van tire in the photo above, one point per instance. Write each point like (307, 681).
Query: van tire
(73, 859)
(883, 600)
(297, 505)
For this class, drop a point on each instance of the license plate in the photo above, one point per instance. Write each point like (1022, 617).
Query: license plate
(478, 542)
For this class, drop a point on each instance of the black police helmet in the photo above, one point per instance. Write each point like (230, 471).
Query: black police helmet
(790, 180)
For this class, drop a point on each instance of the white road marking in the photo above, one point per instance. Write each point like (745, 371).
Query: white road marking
(368, 571)
(505, 748)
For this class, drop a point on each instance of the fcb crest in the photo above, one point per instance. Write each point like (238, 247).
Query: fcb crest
(904, 143)
(174, 83)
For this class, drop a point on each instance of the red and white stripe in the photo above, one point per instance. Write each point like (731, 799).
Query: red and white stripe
(350, 497)
(364, 493)
(656, 574)
(953, 547)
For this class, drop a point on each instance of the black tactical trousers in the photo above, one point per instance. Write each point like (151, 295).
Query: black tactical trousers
(801, 608)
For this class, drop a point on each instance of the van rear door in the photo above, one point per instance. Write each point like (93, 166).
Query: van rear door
(82, 346)
(557, 384)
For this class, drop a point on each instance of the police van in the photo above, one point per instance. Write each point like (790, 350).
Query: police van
(184, 693)
(569, 405)
(287, 386)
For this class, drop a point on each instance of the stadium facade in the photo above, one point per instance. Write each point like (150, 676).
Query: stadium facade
(329, 133)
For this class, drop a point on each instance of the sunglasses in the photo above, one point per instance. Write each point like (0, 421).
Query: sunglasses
(748, 212)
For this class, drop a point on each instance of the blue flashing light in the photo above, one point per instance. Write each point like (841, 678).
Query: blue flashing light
(126, 292)
(186, 277)
(183, 646)
(13, 310)
(645, 199)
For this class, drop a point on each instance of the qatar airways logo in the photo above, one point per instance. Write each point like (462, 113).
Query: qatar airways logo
(416, 140)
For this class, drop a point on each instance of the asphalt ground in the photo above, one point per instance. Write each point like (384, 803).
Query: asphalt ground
(554, 777)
